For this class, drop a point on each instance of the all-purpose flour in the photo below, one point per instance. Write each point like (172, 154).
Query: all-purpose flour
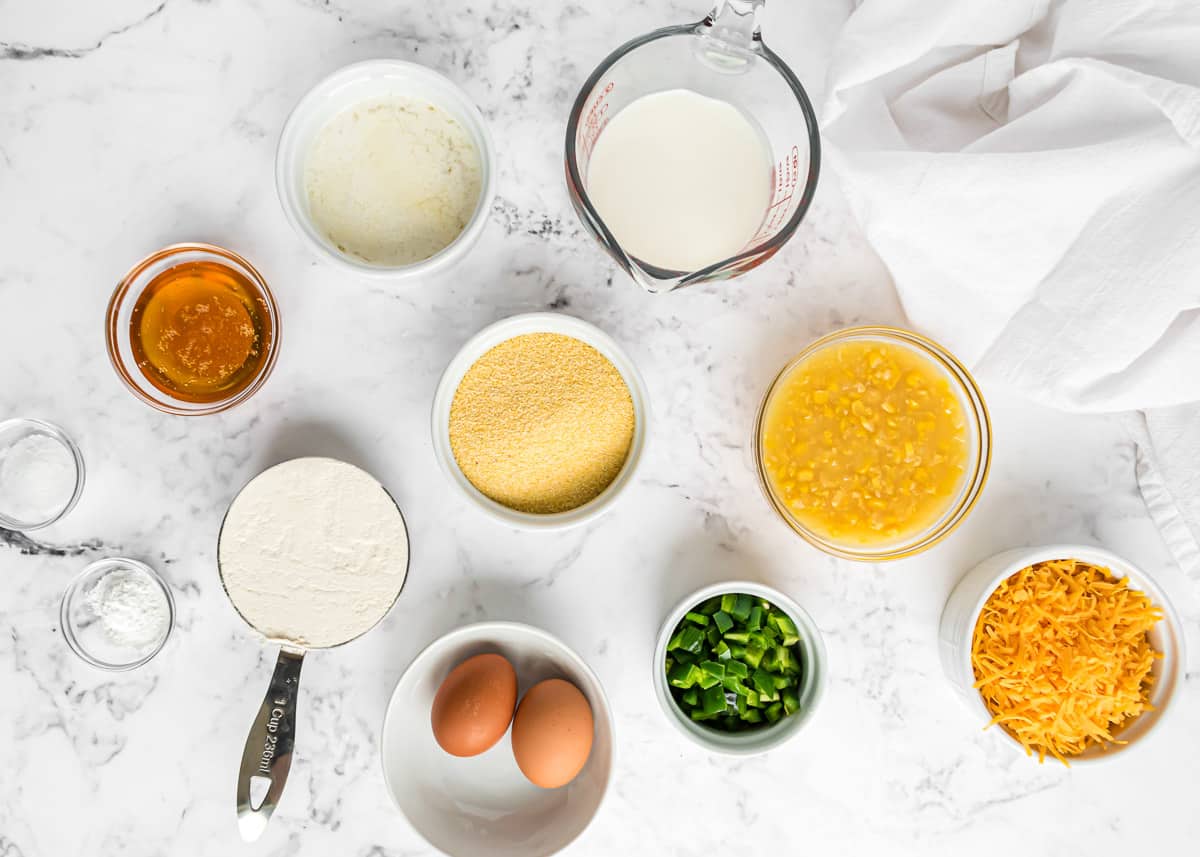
(313, 551)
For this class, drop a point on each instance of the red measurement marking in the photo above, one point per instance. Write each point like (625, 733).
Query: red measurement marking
(593, 124)
(786, 178)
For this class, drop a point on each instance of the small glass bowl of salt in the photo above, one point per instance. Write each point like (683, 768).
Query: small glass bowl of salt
(41, 474)
(117, 614)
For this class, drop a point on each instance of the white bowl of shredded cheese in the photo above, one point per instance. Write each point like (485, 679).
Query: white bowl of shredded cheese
(386, 169)
(967, 602)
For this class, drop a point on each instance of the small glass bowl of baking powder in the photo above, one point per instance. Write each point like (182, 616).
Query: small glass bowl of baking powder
(41, 474)
(117, 614)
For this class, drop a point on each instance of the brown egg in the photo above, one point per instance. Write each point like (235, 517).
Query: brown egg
(474, 705)
(552, 733)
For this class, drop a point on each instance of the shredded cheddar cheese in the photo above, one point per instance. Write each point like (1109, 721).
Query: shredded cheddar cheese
(1062, 656)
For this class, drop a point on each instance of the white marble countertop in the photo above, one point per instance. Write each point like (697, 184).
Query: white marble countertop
(127, 126)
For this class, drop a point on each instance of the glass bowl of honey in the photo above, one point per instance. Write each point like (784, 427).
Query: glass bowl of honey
(873, 443)
(193, 329)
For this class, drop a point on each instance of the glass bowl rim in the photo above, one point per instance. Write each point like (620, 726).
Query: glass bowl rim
(56, 432)
(68, 629)
(980, 461)
(134, 278)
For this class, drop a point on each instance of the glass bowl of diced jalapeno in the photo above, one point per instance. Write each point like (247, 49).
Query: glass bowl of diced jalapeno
(739, 667)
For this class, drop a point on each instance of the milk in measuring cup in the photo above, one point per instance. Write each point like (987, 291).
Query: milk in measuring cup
(681, 180)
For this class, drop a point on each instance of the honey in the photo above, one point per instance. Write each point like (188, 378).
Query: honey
(200, 331)
(864, 442)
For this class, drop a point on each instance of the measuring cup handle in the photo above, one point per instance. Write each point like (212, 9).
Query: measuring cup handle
(736, 22)
(268, 752)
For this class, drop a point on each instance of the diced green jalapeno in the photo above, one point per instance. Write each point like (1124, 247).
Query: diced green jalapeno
(786, 627)
(732, 663)
(692, 639)
(684, 675)
(741, 607)
(712, 700)
(761, 679)
(791, 702)
(733, 684)
(683, 657)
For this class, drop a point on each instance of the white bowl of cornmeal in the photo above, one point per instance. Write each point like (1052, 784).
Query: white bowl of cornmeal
(385, 168)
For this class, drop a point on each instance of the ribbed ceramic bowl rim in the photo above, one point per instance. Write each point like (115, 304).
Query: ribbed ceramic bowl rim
(130, 375)
(484, 627)
(68, 629)
(296, 212)
(751, 742)
(973, 482)
(539, 322)
(62, 437)
(1121, 567)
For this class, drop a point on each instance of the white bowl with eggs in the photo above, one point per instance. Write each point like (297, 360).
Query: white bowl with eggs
(502, 331)
(362, 84)
(484, 804)
(956, 635)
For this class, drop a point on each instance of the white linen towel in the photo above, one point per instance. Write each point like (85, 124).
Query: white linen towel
(1029, 171)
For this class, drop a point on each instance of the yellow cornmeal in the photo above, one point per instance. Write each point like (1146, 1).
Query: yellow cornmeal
(865, 442)
(541, 423)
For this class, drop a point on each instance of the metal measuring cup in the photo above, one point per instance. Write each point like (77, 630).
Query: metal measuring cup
(267, 755)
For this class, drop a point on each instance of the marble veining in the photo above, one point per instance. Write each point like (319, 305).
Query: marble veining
(128, 125)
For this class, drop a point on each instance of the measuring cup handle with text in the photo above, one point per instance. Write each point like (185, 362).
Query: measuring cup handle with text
(268, 752)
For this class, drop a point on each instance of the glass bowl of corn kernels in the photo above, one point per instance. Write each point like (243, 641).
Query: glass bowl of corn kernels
(873, 443)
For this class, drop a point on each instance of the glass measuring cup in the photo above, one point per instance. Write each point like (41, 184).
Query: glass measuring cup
(722, 57)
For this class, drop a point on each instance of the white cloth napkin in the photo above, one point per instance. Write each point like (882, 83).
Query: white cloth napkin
(1029, 171)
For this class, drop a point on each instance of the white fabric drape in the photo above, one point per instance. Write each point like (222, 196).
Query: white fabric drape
(1029, 171)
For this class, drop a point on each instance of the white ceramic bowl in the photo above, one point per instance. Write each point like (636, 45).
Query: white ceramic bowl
(812, 685)
(490, 337)
(484, 804)
(349, 86)
(957, 630)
